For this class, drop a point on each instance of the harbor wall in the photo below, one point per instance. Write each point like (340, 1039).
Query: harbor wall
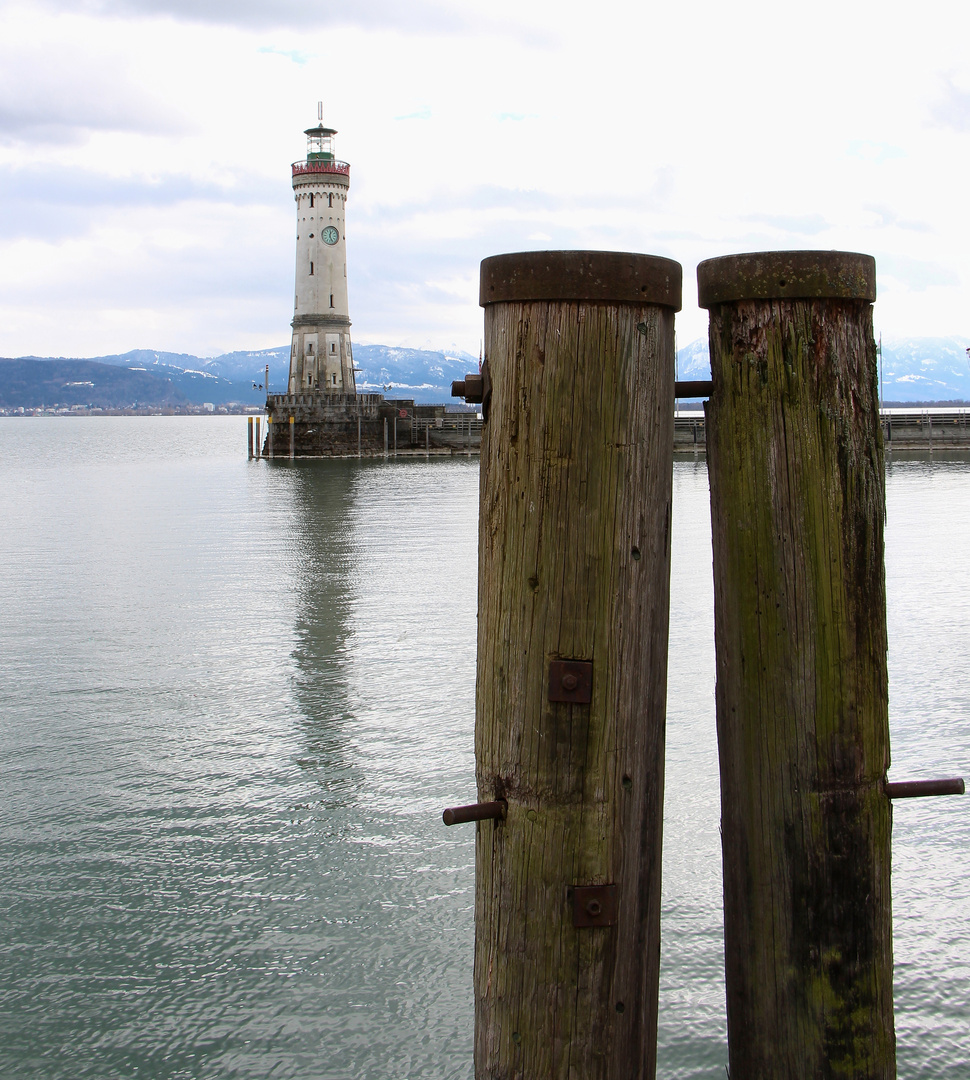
(326, 425)
(930, 429)
(338, 425)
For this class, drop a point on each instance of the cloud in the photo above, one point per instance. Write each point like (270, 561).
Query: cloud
(56, 95)
(953, 109)
(876, 152)
(27, 195)
(423, 113)
(916, 274)
(299, 58)
(799, 224)
(887, 216)
(419, 16)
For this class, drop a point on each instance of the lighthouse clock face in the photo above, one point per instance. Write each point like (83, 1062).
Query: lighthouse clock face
(330, 235)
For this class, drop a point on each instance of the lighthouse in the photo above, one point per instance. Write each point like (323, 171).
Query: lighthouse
(321, 358)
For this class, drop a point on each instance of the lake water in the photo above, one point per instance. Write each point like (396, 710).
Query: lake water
(235, 699)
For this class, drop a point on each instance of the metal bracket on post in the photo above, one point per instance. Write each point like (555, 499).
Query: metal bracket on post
(571, 681)
(594, 905)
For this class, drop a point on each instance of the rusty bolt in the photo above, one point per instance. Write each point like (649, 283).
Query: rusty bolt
(594, 908)
(569, 681)
(471, 388)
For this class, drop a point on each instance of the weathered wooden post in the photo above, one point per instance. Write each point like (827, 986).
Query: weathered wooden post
(259, 445)
(574, 561)
(249, 436)
(795, 454)
(292, 441)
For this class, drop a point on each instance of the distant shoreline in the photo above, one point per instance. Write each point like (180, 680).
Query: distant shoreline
(183, 410)
(687, 407)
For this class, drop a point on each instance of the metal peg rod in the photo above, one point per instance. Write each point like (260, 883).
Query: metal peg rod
(455, 815)
(697, 389)
(913, 789)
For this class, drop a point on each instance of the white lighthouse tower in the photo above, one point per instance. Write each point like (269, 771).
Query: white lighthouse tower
(321, 359)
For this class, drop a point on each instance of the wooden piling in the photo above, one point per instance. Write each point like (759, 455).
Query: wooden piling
(259, 445)
(574, 558)
(292, 439)
(795, 453)
(249, 436)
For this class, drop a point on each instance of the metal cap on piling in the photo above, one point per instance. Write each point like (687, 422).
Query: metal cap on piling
(786, 275)
(603, 276)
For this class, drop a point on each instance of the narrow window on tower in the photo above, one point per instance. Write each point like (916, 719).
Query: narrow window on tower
(330, 197)
(311, 200)
(311, 268)
(333, 347)
(331, 296)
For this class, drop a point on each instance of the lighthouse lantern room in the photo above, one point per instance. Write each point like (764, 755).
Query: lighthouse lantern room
(321, 357)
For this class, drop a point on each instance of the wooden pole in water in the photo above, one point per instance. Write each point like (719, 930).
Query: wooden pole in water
(358, 431)
(795, 454)
(259, 445)
(292, 441)
(574, 566)
(269, 434)
(249, 426)
(385, 436)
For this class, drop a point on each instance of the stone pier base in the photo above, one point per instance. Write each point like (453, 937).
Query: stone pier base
(326, 425)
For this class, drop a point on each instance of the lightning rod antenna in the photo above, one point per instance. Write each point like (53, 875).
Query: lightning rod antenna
(320, 111)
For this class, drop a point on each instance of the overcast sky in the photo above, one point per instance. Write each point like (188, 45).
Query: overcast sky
(145, 150)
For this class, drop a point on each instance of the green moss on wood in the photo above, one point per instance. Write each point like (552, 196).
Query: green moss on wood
(795, 458)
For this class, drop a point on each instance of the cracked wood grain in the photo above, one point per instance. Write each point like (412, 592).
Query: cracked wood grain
(574, 562)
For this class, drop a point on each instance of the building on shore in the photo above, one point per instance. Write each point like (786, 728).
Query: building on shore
(322, 414)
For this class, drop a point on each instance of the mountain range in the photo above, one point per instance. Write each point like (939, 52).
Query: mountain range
(913, 370)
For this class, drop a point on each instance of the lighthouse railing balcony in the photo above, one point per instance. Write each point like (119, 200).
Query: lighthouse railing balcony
(300, 168)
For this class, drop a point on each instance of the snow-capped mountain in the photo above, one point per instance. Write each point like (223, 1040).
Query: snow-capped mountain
(913, 369)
